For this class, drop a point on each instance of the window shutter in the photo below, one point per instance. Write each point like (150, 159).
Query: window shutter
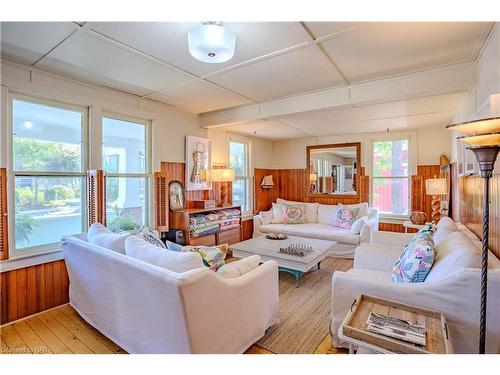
(161, 202)
(96, 196)
(4, 238)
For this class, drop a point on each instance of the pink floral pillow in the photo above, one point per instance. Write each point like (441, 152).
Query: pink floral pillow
(346, 217)
(294, 214)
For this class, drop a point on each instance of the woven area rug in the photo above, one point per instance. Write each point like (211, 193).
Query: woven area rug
(305, 311)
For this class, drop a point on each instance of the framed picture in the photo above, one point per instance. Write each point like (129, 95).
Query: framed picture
(198, 162)
(176, 195)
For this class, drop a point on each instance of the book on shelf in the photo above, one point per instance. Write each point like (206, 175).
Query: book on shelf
(396, 328)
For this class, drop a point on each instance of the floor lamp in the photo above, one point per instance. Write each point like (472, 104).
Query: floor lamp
(483, 137)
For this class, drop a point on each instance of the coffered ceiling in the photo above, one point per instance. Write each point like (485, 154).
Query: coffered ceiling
(272, 60)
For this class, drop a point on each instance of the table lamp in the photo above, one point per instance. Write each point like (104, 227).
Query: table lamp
(313, 177)
(223, 175)
(435, 187)
(483, 137)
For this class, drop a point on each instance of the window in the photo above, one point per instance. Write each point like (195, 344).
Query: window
(239, 161)
(49, 160)
(126, 161)
(391, 178)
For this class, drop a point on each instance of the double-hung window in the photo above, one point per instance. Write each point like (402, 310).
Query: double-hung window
(127, 162)
(48, 163)
(391, 177)
(239, 160)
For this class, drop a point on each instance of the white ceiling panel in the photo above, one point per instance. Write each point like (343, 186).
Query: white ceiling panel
(290, 73)
(199, 96)
(319, 29)
(314, 120)
(389, 48)
(89, 58)
(27, 42)
(267, 130)
(410, 107)
(412, 122)
(168, 41)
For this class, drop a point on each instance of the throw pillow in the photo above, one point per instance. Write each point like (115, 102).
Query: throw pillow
(345, 217)
(294, 214)
(358, 224)
(278, 214)
(327, 213)
(213, 257)
(147, 234)
(447, 222)
(311, 209)
(240, 267)
(415, 262)
(99, 235)
(363, 208)
(175, 261)
(266, 217)
(428, 228)
(173, 246)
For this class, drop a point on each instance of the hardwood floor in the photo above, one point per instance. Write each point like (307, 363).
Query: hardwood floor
(62, 331)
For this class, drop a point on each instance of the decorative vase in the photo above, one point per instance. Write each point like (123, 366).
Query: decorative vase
(418, 217)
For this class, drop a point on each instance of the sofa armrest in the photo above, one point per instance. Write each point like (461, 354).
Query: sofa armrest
(257, 222)
(365, 234)
(392, 238)
(244, 306)
(376, 258)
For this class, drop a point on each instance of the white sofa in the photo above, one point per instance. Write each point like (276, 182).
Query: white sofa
(147, 309)
(452, 286)
(319, 225)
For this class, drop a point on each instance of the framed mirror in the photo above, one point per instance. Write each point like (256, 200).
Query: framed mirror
(334, 169)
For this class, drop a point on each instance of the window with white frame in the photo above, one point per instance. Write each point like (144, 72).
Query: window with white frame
(391, 177)
(47, 167)
(125, 158)
(239, 160)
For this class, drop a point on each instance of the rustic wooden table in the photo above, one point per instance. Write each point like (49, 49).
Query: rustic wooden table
(353, 329)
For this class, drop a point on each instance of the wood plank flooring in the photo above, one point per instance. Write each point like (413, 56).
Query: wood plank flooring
(63, 331)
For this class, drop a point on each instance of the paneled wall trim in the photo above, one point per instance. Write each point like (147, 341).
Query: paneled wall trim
(27, 291)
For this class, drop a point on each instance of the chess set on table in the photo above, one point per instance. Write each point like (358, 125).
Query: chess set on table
(299, 250)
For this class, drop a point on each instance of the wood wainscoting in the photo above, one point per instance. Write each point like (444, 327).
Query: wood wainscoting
(27, 291)
(468, 208)
(292, 184)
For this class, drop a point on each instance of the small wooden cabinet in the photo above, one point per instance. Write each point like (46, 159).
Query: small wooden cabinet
(180, 220)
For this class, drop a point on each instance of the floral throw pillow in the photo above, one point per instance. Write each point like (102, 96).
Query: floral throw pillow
(213, 257)
(294, 214)
(416, 261)
(345, 217)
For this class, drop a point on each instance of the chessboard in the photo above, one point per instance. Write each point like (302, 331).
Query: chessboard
(299, 250)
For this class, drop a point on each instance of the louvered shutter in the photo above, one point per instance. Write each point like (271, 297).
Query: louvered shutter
(4, 238)
(96, 196)
(161, 202)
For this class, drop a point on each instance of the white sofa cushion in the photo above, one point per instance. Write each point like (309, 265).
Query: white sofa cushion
(441, 233)
(447, 222)
(374, 275)
(455, 253)
(240, 267)
(176, 261)
(278, 214)
(327, 213)
(358, 224)
(311, 209)
(314, 230)
(99, 235)
(266, 217)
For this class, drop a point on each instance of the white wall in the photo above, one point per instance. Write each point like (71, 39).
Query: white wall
(483, 99)
(169, 125)
(428, 144)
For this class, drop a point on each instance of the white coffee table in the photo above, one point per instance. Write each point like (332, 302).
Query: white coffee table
(269, 250)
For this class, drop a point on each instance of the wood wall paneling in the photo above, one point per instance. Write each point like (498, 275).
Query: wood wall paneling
(247, 230)
(30, 290)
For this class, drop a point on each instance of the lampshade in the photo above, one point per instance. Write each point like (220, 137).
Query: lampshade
(481, 126)
(211, 43)
(435, 186)
(481, 140)
(222, 175)
(313, 177)
(267, 182)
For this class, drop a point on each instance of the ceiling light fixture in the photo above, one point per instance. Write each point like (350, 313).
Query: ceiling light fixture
(211, 43)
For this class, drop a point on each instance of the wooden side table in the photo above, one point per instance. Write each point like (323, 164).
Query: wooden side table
(354, 332)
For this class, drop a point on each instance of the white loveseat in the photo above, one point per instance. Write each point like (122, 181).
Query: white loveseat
(147, 309)
(319, 225)
(452, 286)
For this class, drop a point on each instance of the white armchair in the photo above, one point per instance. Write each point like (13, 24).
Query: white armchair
(452, 287)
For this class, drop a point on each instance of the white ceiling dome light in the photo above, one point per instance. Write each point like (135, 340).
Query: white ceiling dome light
(211, 43)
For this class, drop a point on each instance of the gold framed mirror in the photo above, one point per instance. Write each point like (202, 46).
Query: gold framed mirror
(333, 169)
